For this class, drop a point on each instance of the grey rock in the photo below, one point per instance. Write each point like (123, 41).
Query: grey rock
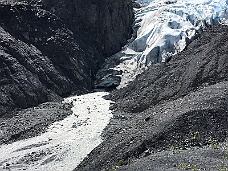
(106, 23)
(31, 122)
(107, 78)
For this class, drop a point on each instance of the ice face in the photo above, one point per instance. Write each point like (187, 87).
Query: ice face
(163, 28)
(167, 27)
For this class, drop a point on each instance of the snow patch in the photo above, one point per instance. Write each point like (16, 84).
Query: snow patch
(66, 143)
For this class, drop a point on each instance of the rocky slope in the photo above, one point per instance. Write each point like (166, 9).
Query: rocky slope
(168, 110)
(48, 51)
(31, 122)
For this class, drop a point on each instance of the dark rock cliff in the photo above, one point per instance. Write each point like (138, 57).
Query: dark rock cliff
(105, 23)
(45, 56)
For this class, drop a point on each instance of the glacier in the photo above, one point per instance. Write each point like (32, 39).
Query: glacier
(162, 28)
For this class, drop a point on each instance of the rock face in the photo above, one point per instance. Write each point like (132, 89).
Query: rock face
(105, 23)
(171, 106)
(45, 56)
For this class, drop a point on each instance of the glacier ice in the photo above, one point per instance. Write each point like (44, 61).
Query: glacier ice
(162, 28)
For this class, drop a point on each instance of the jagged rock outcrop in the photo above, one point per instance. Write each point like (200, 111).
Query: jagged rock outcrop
(45, 56)
(168, 110)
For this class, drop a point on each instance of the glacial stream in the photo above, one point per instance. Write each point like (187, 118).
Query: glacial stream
(66, 143)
